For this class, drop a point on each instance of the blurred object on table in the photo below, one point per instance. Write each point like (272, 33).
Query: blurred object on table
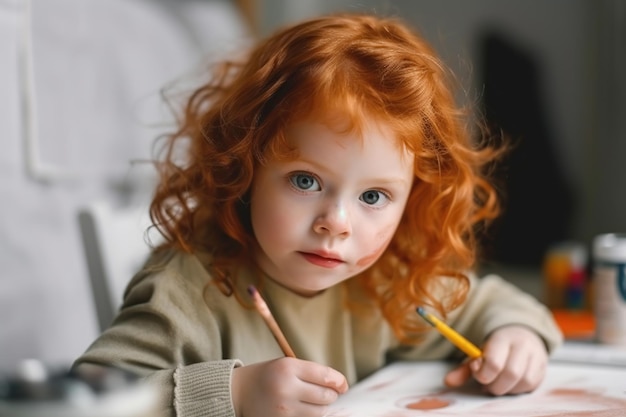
(34, 389)
(566, 282)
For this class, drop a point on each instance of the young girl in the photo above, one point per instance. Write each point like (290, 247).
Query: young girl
(333, 172)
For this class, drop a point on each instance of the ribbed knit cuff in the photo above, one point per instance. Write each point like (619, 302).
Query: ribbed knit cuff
(204, 389)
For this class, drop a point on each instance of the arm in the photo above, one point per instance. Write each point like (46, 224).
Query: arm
(493, 303)
(516, 331)
(166, 334)
(187, 348)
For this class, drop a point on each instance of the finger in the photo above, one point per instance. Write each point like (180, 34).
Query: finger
(514, 361)
(476, 364)
(319, 395)
(532, 377)
(510, 375)
(458, 376)
(523, 372)
(323, 376)
(489, 366)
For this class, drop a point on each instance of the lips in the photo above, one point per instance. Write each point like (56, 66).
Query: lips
(322, 259)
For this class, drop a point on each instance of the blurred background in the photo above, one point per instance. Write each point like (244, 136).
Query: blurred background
(80, 106)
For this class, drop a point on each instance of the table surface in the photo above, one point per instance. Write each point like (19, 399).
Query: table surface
(572, 387)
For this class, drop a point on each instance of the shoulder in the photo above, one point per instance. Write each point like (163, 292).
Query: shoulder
(172, 275)
(183, 279)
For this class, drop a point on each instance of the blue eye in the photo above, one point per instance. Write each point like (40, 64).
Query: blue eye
(305, 182)
(374, 198)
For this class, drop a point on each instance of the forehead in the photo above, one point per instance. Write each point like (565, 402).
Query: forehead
(374, 143)
(347, 122)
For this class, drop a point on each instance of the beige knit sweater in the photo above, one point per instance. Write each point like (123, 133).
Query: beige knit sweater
(187, 337)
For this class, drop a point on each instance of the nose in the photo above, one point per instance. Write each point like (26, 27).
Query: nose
(334, 221)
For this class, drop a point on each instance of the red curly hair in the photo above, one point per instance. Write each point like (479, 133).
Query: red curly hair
(362, 66)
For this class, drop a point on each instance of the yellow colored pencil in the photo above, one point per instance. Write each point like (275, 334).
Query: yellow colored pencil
(452, 335)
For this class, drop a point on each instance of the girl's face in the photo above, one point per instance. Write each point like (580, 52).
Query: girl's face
(329, 214)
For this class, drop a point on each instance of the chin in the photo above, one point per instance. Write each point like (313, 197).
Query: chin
(316, 289)
(312, 291)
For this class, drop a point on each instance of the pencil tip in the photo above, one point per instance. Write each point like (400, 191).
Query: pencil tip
(251, 290)
(425, 315)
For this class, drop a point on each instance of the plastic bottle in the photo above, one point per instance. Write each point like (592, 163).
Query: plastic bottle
(609, 280)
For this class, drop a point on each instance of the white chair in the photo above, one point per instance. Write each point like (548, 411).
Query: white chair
(114, 240)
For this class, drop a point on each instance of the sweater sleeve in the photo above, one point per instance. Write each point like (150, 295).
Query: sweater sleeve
(494, 303)
(166, 334)
(491, 303)
(203, 389)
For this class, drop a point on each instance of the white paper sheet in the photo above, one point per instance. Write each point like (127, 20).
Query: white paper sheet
(416, 389)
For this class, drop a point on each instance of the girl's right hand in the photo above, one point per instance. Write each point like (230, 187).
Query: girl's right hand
(285, 387)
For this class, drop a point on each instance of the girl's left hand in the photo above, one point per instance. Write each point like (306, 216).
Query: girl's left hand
(514, 361)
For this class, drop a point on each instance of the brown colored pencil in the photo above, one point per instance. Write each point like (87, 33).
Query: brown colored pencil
(265, 312)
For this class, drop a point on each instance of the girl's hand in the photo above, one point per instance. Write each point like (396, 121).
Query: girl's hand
(285, 387)
(514, 361)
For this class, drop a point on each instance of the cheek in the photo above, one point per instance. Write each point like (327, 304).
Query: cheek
(262, 214)
(274, 219)
(374, 253)
(264, 219)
